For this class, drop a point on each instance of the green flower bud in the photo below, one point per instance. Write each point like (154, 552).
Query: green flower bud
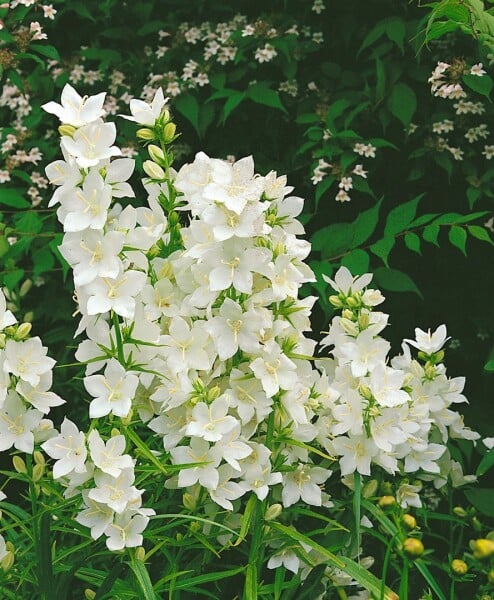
(459, 567)
(39, 457)
(335, 301)
(145, 134)
(169, 132)
(153, 170)
(7, 561)
(67, 130)
(365, 392)
(459, 511)
(140, 554)
(273, 512)
(353, 302)
(476, 524)
(347, 314)
(189, 501)
(413, 547)
(156, 154)
(386, 502)
(370, 488)
(490, 576)
(28, 317)
(19, 464)
(25, 287)
(23, 331)
(38, 472)
(89, 594)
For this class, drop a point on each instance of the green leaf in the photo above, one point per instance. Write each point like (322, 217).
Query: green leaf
(357, 261)
(402, 103)
(383, 247)
(473, 194)
(12, 278)
(365, 224)
(482, 85)
(374, 34)
(481, 498)
(206, 116)
(480, 233)
(335, 110)
(333, 240)
(14, 198)
(231, 104)
(401, 216)
(46, 581)
(188, 106)
(48, 51)
(395, 30)
(394, 280)
(261, 94)
(322, 187)
(206, 578)
(412, 242)
(489, 365)
(143, 581)
(380, 80)
(347, 565)
(458, 237)
(486, 463)
(431, 233)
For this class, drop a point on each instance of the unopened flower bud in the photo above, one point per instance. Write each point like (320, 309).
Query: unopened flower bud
(173, 218)
(38, 471)
(114, 432)
(156, 154)
(422, 355)
(365, 392)
(67, 130)
(352, 301)
(19, 464)
(363, 320)
(273, 512)
(476, 524)
(189, 501)
(169, 132)
(145, 134)
(335, 301)
(483, 548)
(23, 331)
(370, 488)
(25, 287)
(349, 327)
(89, 594)
(347, 314)
(195, 526)
(386, 502)
(140, 554)
(127, 420)
(459, 567)
(29, 316)
(2, 340)
(459, 511)
(39, 457)
(438, 356)
(213, 393)
(430, 371)
(153, 170)
(409, 521)
(413, 547)
(490, 576)
(7, 561)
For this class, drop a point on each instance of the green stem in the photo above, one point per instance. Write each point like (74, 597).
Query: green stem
(118, 337)
(403, 592)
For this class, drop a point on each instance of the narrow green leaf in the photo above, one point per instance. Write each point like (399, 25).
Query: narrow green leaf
(246, 519)
(396, 281)
(143, 581)
(458, 238)
(489, 365)
(45, 581)
(206, 578)
(427, 575)
(354, 570)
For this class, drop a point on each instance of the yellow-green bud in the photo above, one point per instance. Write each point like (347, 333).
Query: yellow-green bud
(23, 331)
(413, 547)
(476, 524)
(140, 554)
(347, 314)
(409, 521)
(67, 130)
(165, 116)
(173, 218)
(89, 594)
(7, 561)
(349, 326)
(29, 316)
(490, 576)
(386, 502)
(352, 301)
(114, 432)
(195, 526)
(364, 320)
(335, 301)
(483, 548)
(2, 340)
(273, 512)
(19, 464)
(430, 371)
(459, 511)
(189, 501)
(153, 170)
(39, 457)
(370, 488)
(156, 154)
(145, 134)
(365, 391)
(438, 356)
(127, 420)
(214, 392)
(459, 567)
(25, 287)
(38, 471)
(169, 132)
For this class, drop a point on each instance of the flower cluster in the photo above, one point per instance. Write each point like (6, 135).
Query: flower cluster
(394, 413)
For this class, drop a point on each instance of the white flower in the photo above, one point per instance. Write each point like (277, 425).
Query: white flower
(39, 395)
(226, 490)
(198, 452)
(92, 143)
(109, 456)
(429, 342)
(477, 70)
(274, 369)
(144, 113)
(356, 453)
(96, 515)
(116, 492)
(113, 391)
(211, 422)
(303, 484)
(386, 383)
(17, 424)
(346, 283)
(75, 110)
(408, 495)
(186, 346)
(68, 449)
(364, 353)
(117, 294)
(27, 360)
(6, 317)
(126, 531)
